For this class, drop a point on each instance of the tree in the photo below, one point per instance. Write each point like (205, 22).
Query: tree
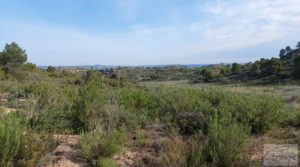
(298, 45)
(288, 49)
(114, 76)
(207, 74)
(282, 53)
(51, 69)
(255, 68)
(29, 67)
(236, 68)
(297, 67)
(12, 57)
(274, 66)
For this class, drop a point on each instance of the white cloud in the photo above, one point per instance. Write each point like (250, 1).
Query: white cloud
(248, 23)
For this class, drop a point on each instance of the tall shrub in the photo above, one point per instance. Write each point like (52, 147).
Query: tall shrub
(10, 133)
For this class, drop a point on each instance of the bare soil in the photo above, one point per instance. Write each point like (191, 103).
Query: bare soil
(67, 154)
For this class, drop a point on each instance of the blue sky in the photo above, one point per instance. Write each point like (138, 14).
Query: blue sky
(140, 32)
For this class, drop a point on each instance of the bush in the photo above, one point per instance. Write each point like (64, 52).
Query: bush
(296, 71)
(291, 118)
(174, 154)
(29, 67)
(135, 98)
(141, 140)
(104, 162)
(195, 155)
(226, 141)
(52, 121)
(95, 145)
(176, 100)
(89, 104)
(10, 133)
(262, 112)
(2, 75)
(33, 147)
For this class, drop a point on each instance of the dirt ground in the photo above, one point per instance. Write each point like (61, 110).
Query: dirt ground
(66, 153)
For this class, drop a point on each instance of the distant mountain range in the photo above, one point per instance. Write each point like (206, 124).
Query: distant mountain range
(99, 67)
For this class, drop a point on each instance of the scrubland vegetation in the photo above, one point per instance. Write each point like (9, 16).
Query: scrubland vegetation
(165, 125)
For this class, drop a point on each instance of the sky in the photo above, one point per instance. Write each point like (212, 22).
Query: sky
(149, 32)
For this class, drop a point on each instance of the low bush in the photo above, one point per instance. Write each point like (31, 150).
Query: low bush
(174, 154)
(141, 140)
(33, 147)
(52, 121)
(2, 75)
(291, 118)
(96, 145)
(104, 162)
(224, 145)
(262, 112)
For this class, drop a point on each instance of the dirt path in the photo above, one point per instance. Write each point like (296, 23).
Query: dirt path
(67, 154)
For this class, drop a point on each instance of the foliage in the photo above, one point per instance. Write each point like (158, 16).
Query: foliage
(104, 162)
(11, 57)
(226, 140)
(95, 145)
(89, 104)
(236, 68)
(141, 139)
(51, 69)
(33, 147)
(29, 67)
(298, 45)
(262, 112)
(288, 49)
(2, 75)
(174, 154)
(52, 121)
(282, 53)
(297, 67)
(10, 136)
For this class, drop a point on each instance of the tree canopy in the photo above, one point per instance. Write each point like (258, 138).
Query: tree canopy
(236, 68)
(288, 49)
(298, 45)
(297, 67)
(12, 56)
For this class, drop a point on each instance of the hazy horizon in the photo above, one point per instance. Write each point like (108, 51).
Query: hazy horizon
(149, 32)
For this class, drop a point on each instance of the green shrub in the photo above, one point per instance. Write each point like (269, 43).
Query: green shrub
(176, 100)
(33, 147)
(2, 75)
(141, 139)
(104, 162)
(29, 67)
(262, 112)
(195, 155)
(52, 121)
(89, 104)
(10, 133)
(291, 118)
(95, 145)
(174, 153)
(226, 141)
(135, 98)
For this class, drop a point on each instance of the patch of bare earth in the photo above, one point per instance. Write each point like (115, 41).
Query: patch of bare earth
(136, 155)
(67, 154)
